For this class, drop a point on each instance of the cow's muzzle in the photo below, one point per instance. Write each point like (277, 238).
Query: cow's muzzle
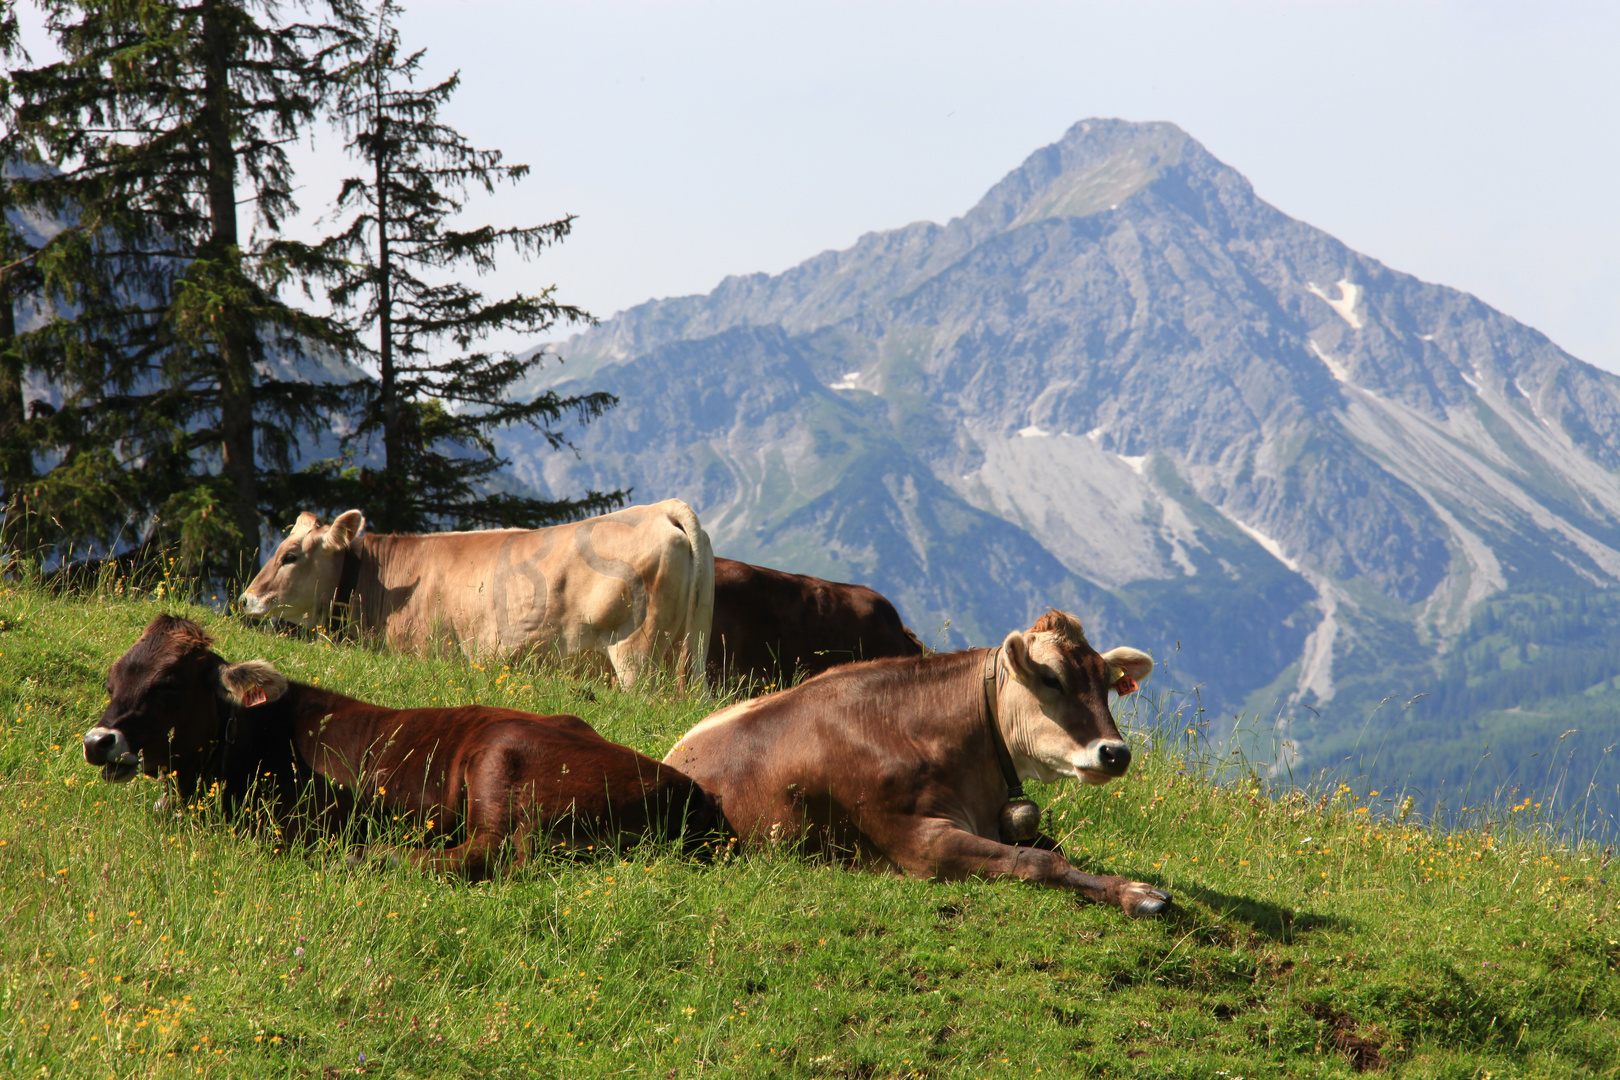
(1114, 758)
(109, 749)
(254, 605)
(1103, 761)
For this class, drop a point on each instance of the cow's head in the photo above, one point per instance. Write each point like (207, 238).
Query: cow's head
(1053, 700)
(170, 694)
(300, 579)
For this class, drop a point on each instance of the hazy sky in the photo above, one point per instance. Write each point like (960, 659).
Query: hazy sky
(1472, 144)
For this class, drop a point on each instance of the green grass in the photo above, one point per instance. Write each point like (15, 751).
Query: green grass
(1311, 937)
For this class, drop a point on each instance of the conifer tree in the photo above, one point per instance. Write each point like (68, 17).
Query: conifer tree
(432, 413)
(162, 120)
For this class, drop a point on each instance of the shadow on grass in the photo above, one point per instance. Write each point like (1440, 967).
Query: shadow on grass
(1274, 922)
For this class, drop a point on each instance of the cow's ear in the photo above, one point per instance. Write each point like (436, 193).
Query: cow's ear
(250, 683)
(344, 529)
(1128, 666)
(1016, 649)
(306, 521)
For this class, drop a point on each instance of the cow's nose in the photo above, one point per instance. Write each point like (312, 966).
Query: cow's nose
(1115, 757)
(98, 746)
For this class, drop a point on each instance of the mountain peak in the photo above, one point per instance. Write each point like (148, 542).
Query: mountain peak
(1094, 167)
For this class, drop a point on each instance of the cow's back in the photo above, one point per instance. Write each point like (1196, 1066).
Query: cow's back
(773, 626)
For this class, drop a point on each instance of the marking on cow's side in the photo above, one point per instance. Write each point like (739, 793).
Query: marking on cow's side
(515, 634)
(614, 568)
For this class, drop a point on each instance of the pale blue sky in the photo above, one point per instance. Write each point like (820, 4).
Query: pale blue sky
(1472, 144)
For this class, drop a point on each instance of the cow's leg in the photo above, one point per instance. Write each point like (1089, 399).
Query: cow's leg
(933, 847)
(499, 806)
(475, 859)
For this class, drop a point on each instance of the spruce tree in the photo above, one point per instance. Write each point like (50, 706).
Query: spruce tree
(162, 120)
(434, 411)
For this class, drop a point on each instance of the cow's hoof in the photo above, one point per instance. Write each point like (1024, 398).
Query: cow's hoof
(1141, 900)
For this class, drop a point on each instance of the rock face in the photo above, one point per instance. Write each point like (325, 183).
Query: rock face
(1125, 385)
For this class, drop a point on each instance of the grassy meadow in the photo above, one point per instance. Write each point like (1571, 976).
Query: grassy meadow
(1317, 933)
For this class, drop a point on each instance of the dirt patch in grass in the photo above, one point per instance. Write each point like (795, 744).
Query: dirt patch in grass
(1362, 1044)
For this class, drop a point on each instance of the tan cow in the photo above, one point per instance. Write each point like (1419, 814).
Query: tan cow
(632, 589)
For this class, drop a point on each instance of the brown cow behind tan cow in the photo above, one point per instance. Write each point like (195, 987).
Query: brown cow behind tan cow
(909, 764)
(771, 626)
(633, 589)
(487, 785)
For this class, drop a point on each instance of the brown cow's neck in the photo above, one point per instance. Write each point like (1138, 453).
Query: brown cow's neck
(295, 723)
(307, 736)
(311, 711)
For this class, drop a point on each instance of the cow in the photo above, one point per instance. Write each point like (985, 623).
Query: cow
(627, 591)
(917, 764)
(487, 785)
(773, 627)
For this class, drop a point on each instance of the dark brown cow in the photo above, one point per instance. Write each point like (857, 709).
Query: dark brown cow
(499, 781)
(773, 627)
(904, 763)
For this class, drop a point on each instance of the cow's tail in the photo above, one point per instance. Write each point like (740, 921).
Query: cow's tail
(694, 654)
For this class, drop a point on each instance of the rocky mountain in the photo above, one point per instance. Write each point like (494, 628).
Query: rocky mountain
(1125, 385)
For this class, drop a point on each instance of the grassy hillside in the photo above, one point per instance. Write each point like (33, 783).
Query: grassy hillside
(1313, 937)
(1525, 700)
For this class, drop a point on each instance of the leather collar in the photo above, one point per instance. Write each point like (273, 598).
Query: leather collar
(992, 669)
(348, 581)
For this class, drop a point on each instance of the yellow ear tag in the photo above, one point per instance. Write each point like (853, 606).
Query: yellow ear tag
(255, 696)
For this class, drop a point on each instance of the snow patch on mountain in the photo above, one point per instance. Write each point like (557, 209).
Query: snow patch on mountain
(1273, 548)
(1338, 370)
(1345, 303)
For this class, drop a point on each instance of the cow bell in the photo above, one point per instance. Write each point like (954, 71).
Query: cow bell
(1020, 821)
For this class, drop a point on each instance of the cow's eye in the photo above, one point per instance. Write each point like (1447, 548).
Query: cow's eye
(289, 558)
(1052, 681)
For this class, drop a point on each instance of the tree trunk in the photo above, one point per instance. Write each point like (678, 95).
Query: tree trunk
(393, 451)
(235, 353)
(16, 463)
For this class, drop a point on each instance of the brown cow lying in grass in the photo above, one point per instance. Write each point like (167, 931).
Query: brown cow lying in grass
(909, 763)
(499, 781)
